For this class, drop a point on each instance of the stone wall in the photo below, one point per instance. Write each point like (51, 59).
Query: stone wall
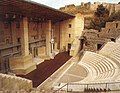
(68, 7)
(117, 7)
(111, 30)
(13, 83)
(94, 40)
(69, 30)
(19, 39)
(22, 65)
(29, 37)
(12, 37)
(111, 7)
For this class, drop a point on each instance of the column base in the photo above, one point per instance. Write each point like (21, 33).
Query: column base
(71, 52)
(23, 71)
(52, 55)
(22, 65)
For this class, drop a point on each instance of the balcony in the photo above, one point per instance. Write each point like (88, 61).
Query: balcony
(37, 40)
(9, 46)
(10, 54)
(3, 47)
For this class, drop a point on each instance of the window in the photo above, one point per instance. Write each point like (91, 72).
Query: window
(7, 41)
(86, 43)
(41, 25)
(35, 37)
(43, 36)
(30, 49)
(116, 25)
(2, 36)
(18, 25)
(97, 35)
(0, 65)
(18, 48)
(6, 25)
(69, 35)
(18, 40)
(70, 25)
(108, 30)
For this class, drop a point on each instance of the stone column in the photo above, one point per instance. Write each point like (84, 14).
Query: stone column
(13, 33)
(24, 37)
(22, 65)
(0, 66)
(14, 37)
(52, 41)
(48, 37)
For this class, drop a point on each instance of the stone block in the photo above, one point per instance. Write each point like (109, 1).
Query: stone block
(22, 64)
(41, 51)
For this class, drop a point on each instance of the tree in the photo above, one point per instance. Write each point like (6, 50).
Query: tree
(101, 17)
(101, 11)
(118, 2)
(115, 16)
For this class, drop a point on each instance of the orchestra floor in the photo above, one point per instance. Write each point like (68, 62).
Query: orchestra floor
(47, 68)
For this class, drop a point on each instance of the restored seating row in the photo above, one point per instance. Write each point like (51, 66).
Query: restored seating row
(102, 67)
(112, 51)
(8, 82)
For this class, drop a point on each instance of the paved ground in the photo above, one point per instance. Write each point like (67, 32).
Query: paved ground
(47, 68)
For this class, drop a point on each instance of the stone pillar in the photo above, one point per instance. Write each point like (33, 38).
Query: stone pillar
(79, 24)
(48, 37)
(24, 37)
(52, 49)
(13, 33)
(52, 41)
(14, 39)
(0, 66)
(22, 65)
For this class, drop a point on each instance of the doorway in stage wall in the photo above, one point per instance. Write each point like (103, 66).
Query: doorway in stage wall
(0, 65)
(7, 67)
(35, 51)
(69, 47)
(4, 65)
(99, 46)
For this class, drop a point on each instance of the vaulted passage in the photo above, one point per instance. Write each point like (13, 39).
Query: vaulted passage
(47, 68)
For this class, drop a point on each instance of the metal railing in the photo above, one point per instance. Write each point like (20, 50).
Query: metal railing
(92, 87)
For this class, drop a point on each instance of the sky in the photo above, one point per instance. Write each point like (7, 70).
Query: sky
(61, 3)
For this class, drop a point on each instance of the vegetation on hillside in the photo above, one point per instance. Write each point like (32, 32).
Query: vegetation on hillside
(101, 16)
(114, 17)
(100, 19)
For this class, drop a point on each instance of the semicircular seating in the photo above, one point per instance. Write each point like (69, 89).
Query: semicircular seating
(112, 51)
(104, 67)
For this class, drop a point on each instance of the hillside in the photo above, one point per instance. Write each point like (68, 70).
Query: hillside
(88, 10)
(72, 9)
